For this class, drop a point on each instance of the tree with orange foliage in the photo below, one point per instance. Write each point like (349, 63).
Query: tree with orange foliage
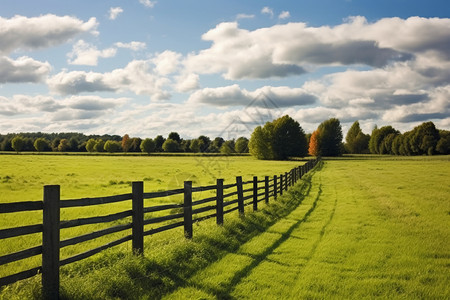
(314, 146)
(126, 143)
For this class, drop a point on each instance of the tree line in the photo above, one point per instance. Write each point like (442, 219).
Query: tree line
(78, 142)
(276, 140)
(284, 137)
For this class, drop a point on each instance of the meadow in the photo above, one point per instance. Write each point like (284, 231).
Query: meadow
(358, 227)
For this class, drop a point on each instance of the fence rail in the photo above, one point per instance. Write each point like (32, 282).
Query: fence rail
(246, 193)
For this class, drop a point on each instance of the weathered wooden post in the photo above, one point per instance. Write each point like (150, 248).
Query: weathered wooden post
(50, 242)
(255, 193)
(240, 194)
(137, 229)
(286, 182)
(281, 184)
(275, 187)
(266, 189)
(187, 209)
(219, 202)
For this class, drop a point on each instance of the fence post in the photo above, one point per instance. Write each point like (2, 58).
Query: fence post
(281, 184)
(286, 182)
(137, 230)
(50, 242)
(240, 194)
(255, 193)
(187, 209)
(275, 187)
(266, 189)
(219, 202)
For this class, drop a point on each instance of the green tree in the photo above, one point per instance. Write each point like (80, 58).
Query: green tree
(63, 145)
(90, 145)
(112, 146)
(175, 136)
(73, 143)
(148, 146)
(99, 145)
(227, 147)
(135, 144)
(356, 140)
(241, 145)
(17, 143)
(159, 141)
(279, 139)
(171, 146)
(205, 142)
(443, 145)
(330, 138)
(55, 144)
(377, 137)
(41, 144)
(196, 145)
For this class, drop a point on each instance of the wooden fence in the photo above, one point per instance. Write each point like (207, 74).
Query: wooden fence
(190, 212)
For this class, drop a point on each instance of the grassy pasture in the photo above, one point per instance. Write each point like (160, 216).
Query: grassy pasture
(360, 227)
(22, 178)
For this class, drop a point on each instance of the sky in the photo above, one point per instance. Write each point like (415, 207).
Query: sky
(221, 68)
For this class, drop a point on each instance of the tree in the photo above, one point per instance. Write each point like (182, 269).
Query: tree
(196, 145)
(377, 137)
(99, 145)
(205, 142)
(63, 145)
(41, 144)
(171, 146)
(17, 143)
(90, 145)
(443, 145)
(73, 144)
(241, 145)
(215, 145)
(159, 141)
(227, 147)
(314, 147)
(112, 146)
(135, 144)
(279, 139)
(55, 144)
(330, 138)
(148, 146)
(356, 140)
(126, 143)
(175, 136)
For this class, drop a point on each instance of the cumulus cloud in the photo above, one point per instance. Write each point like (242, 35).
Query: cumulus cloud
(139, 77)
(23, 33)
(187, 82)
(284, 15)
(135, 46)
(166, 62)
(86, 54)
(147, 3)
(233, 95)
(267, 10)
(23, 69)
(114, 12)
(291, 49)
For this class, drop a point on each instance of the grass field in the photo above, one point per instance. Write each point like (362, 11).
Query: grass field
(365, 227)
(22, 178)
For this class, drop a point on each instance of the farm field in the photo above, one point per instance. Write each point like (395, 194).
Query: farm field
(22, 178)
(360, 227)
(367, 229)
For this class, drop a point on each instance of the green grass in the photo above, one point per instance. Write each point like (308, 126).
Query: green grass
(359, 227)
(22, 178)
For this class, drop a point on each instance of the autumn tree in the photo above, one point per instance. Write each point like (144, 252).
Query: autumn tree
(126, 143)
(314, 147)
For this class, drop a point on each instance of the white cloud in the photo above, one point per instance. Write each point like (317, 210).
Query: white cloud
(166, 62)
(23, 33)
(267, 10)
(233, 95)
(138, 77)
(114, 12)
(23, 69)
(135, 46)
(86, 54)
(187, 82)
(244, 16)
(147, 3)
(284, 15)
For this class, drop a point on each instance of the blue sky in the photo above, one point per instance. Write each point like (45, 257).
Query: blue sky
(221, 67)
